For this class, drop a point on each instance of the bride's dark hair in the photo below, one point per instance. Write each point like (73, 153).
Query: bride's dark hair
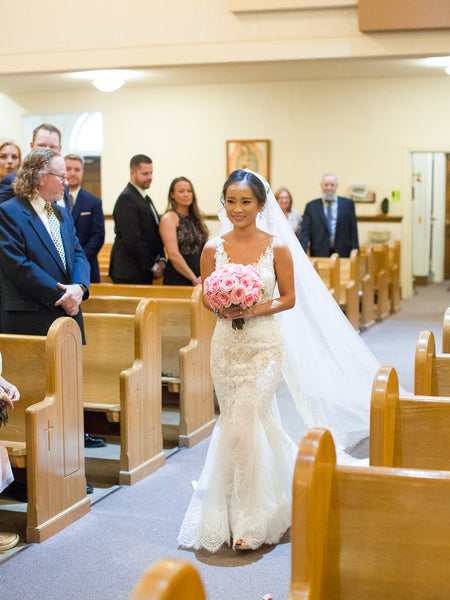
(247, 178)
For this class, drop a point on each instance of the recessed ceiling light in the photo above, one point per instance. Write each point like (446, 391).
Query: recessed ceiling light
(108, 82)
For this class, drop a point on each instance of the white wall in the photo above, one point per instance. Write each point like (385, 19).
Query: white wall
(11, 120)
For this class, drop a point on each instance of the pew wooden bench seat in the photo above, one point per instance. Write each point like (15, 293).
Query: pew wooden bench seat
(367, 533)
(121, 369)
(45, 433)
(186, 330)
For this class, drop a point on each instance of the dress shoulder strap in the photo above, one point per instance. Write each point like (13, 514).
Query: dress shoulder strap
(220, 256)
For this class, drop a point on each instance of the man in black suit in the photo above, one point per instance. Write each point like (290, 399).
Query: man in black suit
(87, 213)
(137, 255)
(329, 222)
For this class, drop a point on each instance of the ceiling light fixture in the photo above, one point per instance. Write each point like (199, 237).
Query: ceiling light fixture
(108, 82)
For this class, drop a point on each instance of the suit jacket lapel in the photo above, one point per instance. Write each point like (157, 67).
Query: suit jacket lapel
(322, 212)
(42, 232)
(77, 206)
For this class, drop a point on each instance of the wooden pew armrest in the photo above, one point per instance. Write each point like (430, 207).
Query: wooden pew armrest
(112, 410)
(17, 452)
(173, 383)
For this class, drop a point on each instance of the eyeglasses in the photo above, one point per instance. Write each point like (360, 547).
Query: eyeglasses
(62, 177)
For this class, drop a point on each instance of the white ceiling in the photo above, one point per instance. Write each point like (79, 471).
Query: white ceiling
(13, 85)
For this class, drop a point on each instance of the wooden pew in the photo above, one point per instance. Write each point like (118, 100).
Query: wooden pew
(431, 370)
(186, 330)
(170, 579)
(343, 288)
(45, 431)
(350, 271)
(367, 533)
(407, 431)
(121, 369)
(394, 269)
(374, 262)
(103, 262)
(387, 259)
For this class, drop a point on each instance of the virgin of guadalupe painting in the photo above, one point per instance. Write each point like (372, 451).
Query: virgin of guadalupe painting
(249, 154)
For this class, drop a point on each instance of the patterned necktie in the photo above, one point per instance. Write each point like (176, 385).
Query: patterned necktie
(329, 216)
(55, 232)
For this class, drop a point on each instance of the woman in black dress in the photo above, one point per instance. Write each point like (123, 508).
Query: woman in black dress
(183, 233)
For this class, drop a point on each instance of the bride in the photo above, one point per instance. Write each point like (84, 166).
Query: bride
(243, 496)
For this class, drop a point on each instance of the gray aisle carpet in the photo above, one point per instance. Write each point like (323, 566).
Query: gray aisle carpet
(103, 555)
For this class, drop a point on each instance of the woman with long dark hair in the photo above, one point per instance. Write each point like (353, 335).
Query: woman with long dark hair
(184, 233)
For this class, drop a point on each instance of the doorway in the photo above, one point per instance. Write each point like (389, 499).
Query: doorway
(429, 216)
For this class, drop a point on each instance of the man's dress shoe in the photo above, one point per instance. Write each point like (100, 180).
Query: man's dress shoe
(8, 540)
(93, 442)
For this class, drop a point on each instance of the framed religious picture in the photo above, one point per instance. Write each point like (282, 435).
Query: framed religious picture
(249, 154)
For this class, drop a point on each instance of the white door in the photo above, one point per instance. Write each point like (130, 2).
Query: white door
(428, 214)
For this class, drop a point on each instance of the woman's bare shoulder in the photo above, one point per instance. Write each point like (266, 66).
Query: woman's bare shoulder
(170, 217)
(280, 248)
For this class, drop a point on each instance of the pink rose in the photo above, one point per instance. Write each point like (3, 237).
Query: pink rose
(224, 298)
(249, 300)
(213, 283)
(238, 294)
(213, 301)
(228, 282)
(247, 282)
(239, 270)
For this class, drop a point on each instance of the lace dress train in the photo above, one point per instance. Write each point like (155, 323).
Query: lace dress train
(245, 488)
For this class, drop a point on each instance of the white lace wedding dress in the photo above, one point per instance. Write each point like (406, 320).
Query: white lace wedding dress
(245, 488)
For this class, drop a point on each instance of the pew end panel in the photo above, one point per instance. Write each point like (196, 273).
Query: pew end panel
(431, 371)
(384, 535)
(140, 400)
(379, 276)
(393, 254)
(197, 417)
(122, 368)
(49, 420)
(170, 579)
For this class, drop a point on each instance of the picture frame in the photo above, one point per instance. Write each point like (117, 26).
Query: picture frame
(249, 154)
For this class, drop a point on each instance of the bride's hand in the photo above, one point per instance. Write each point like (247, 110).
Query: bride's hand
(234, 312)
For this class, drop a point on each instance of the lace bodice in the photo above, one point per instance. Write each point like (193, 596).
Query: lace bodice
(264, 266)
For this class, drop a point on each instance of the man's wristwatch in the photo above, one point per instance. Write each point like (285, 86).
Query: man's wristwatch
(83, 287)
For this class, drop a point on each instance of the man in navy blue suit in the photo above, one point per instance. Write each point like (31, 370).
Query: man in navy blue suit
(44, 136)
(87, 213)
(44, 271)
(329, 222)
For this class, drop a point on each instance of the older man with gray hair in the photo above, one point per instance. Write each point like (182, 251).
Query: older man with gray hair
(43, 270)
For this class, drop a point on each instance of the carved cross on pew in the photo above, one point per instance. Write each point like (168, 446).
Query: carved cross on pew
(49, 430)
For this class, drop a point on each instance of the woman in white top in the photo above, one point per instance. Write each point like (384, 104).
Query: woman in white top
(294, 217)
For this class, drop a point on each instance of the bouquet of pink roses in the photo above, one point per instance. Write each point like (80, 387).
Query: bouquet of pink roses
(233, 285)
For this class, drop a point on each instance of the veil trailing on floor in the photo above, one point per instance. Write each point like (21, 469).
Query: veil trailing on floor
(327, 367)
